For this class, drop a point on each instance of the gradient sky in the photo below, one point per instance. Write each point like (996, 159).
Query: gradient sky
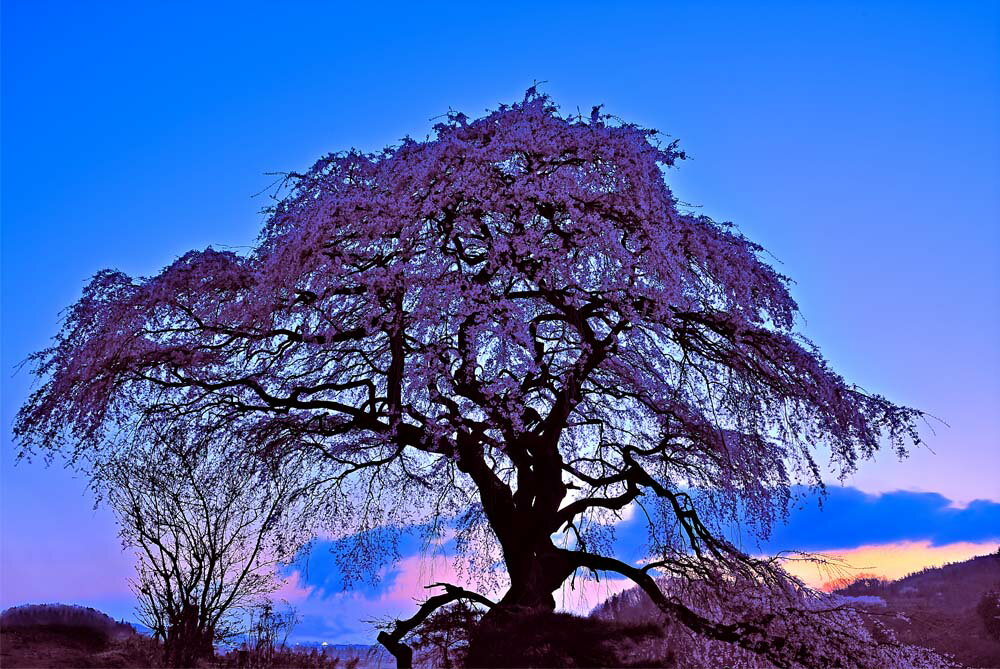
(858, 142)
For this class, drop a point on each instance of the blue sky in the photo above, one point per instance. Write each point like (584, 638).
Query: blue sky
(858, 142)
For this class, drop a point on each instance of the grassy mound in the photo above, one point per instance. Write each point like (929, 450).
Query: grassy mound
(57, 636)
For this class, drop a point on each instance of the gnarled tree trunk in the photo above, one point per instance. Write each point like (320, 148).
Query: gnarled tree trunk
(188, 640)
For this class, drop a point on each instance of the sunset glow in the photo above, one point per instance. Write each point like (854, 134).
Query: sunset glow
(889, 561)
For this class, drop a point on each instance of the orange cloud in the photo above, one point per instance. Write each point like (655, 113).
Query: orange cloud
(891, 560)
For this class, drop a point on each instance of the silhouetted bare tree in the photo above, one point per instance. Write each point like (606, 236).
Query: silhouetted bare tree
(208, 529)
(267, 632)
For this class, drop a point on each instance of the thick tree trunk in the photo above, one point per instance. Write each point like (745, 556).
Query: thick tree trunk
(523, 520)
(517, 627)
(535, 574)
(187, 641)
(401, 651)
(531, 587)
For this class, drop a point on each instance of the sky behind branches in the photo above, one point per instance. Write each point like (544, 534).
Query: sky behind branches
(858, 142)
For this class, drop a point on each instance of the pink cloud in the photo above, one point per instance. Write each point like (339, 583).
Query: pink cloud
(293, 588)
(349, 611)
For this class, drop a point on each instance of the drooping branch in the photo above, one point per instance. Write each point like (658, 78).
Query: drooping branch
(393, 640)
(750, 634)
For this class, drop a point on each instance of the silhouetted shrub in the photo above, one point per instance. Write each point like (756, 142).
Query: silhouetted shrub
(442, 640)
(555, 640)
(989, 610)
(863, 585)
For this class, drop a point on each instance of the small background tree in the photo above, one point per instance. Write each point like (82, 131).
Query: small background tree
(208, 531)
(443, 638)
(267, 633)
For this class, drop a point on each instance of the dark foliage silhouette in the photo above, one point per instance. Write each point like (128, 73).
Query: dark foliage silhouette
(513, 324)
(547, 639)
(988, 609)
(65, 615)
(442, 640)
(862, 585)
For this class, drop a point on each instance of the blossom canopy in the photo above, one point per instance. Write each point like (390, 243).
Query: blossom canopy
(516, 315)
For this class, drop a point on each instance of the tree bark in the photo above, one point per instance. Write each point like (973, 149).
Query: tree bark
(535, 572)
(187, 641)
(401, 651)
(393, 641)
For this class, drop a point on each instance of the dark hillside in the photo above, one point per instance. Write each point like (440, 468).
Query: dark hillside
(938, 608)
(65, 615)
(62, 636)
(951, 586)
(939, 605)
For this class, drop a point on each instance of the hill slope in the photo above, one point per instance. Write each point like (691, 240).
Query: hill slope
(940, 608)
(59, 635)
